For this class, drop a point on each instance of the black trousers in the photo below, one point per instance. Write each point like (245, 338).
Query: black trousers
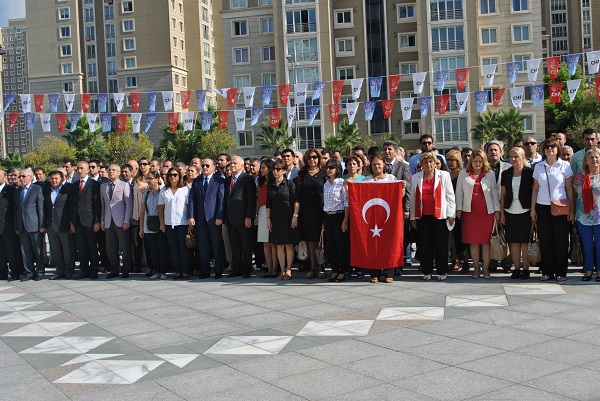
(101, 237)
(158, 253)
(61, 252)
(210, 237)
(10, 256)
(118, 239)
(553, 232)
(432, 237)
(240, 239)
(137, 247)
(337, 245)
(87, 245)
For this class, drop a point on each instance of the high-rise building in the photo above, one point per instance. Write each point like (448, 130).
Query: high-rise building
(111, 46)
(269, 43)
(15, 80)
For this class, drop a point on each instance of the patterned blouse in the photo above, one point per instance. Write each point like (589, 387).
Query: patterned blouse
(593, 217)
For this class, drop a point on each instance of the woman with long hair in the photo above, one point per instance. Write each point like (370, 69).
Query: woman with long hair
(336, 221)
(155, 240)
(458, 249)
(265, 176)
(139, 187)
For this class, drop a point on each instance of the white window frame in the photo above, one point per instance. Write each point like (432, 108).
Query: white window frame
(527, 10)
(407, 35)
(131, 77)
(523, 62)
(262, 58)
(490, 28)
(235, 49)
(271, 74)
(60, 33)
(345, 67)
(69, 46)
(512, 33)
(406, 19)
(498, 64)
(533, 125)
(128, 49)
(132, 23)
(62, 68)
(68, 83)
(246, 145)
(68, 11)
(338, 25)
(267, 20)
(487, 14)
(236, 6)
(411, 135)
(345, 53)
(134, 58)
(233, 35)
(123, 3)
(408, 63)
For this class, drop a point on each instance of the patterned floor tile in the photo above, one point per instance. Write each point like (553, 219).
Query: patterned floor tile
(412, 313)
(336, 328)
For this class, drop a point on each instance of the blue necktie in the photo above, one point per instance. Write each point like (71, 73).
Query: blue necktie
(205, 185)
(111, 190)
(23, 194)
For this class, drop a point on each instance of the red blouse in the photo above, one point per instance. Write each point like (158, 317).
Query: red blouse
(428, 201)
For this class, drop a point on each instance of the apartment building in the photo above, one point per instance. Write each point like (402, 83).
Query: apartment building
(112, 46)
(14, 80)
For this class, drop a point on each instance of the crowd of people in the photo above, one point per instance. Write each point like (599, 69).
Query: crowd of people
(232, 215)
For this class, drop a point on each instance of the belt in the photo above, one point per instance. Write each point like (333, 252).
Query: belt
(336, 212)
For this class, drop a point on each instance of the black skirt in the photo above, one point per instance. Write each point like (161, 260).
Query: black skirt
(518, 227)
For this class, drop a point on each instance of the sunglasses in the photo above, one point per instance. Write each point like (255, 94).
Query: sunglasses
(549, 146)
(150, 178)
(330, 168)
(172, 175)
(426, 143)
(93, 166)
(144, 164)
(278, 169)
(529, 143)
(205, 165)
(313, 157)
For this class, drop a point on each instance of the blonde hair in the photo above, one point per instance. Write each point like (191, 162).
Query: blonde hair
(454, 155)
(486, 165)
(427, 156)
(587, 154)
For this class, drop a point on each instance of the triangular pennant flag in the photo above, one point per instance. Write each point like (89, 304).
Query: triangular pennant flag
(102, 102)
(284, 93)
(249, 96)
(419, 82)
(30, 121)
(440, 79)
(150, 117)
(461, 78)
(356, 85)
(45, 120)
(407, 105)
(151, 103)
(119, 99)
(188, 119)
(291, 114)
(206, 119)
(12, 120)
(481, 100)
(517, 93)
(387, 106)
(597, 84)
(533, 67)
(221, 92)
(489, 71)
(317, 90)
(553, 64)
(593, 61)
(351, 110)
(185, 99)
(274, 117)
(85, 102)
(424, 103)
(201, 98)
(61, 120)
(512, 71)
(300, 93)
(312, 112)
(1, 114)
(39, 102)
(167, 97)
(92, 119)
(231, 95)
(537, 95)
(334, 112)
(134, 100)
(572, 62)
(497, 94)
(374, 86)
(223, 116)
(443, 101)
(53, 99)
(462, 98)
(173, 119)
(121, 122)
(555, 89)
(69, 101)
(393, 82)
(74, 119)
(256, 113)
(136, 118)
(25, 103)
(240, 119)
(337, 86)
(369, 110)
(266, 92)
(106, 120)
(572, 88)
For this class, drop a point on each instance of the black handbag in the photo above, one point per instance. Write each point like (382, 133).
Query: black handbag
(153, 223)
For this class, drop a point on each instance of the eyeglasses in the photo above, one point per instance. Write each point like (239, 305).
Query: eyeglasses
(529, 143)
(144, 164)
(172, 175)
(205, 165)
(552, 146)
(23, 176)
(427, 143)
(93, 166)
(330, 168)
(278, 169)
(313, 157)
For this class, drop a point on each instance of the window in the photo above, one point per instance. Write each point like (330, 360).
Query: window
(408, 68)
(183, 62)
(65, 32)
(91, 51)
(587, 29)
(449, 63)
(174, 41)
(586, 16)
(173, 23)
(176, 79)
(173, 5)
(131, 82)
(446, 9)
(521, 33)
(587, 43)
(241, 55)
(527, 122)
(128, 25)
(523, 59)
(88, 2)
(303, 50)
(109, 31)
(113, 86)
(343, 19)
(448, 38)
(268, 53)
(307, 75)
(88, 14)
(239, 28)
(65, 50)
(182, 44)
(180, 6)
(205, 32)
(559, 18)
(407, 41)
(490, 61)
(66, 68)
(310, 137)
(109, 13)
(411, 128)
(205, 15)
(265, 3)
(489, 36)
(111, 68)
(181, 26)
(128, 44)
(127, 6)
(266, 25)
(239, 3)
(301, 21)
(183, 81)
(130, 62)
(90, 33)
(453, 105)
(111, 49)
(406, 12)
(92, 70)
(451, 130)
(344, 47)
(520, 5)
(345, 72)
(64, 13)
(269, 80)
(206, 49)
(245, 139)
(487, 7)
(207, 68)
(67, 86)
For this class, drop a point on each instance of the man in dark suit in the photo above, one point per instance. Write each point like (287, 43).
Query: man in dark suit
(30, 224)
(95, 167)
(205, 212)
(85, 220)
(9, 256)
(239, 210)
(58, 211)
(117, 202)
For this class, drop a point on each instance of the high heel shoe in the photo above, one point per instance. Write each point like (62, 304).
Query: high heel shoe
(475, 272)
(332, 279)
(486, 274)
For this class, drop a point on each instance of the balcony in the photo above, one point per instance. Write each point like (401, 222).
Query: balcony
(448, 45)
(302, 27)
(443, 15)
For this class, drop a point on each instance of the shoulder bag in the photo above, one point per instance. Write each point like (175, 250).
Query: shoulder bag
(190, 239)
(320, 252)
(557, 207)
(575, 254)
(534, 253)
(498, 245)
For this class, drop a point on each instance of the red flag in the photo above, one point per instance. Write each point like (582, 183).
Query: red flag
(12, 120)
(173, 120)
(461, 77)
(334, 112)
(394, 81)
(337, 89)
(231, 94)
(376, 221)
(134, 99)
(223, 117)
(443, 101)
(121, 122)
(497, 95)
(274, 117)
(38, 99)
(284, 93)
(85, 102)
(597, 83)
(387, 105)
(185, 99)
(61, 119)
(555, 89)
(553, 64)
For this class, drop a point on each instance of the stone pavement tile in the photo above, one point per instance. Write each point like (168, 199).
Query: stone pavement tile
(360, 302)
(196, 346)
(23, 392)
(367, 314)
(299, 343)
(403, 339)
(19, 344)
(150, 303)
(453, 352)
(507, 338)
(218, 304)
(383, 326)
(232, 291)
(317, 312)
(193, 385)
(284, 304)
(578, 299)
(500, 317)
(584, 315)
(577, 383)
(167, 310)
(393, 366)
(574, 353)
(544, 307)
(63, 317)
(254, 298)
(519, 393)
(429, 299)
(128, 329)
(268, 319)
(158, 338)
(260, 391)
(85, 309)
(454, 328)
(513, 367)
(217, 328)
(46, 361)
(194, 319)
(452, 384)
(9, 357)
(18, 374)
(403, 294)
(589, 337)
(344, 351)
(325, 383)
(147, 390)
(382, 392)
(554, 326)
(331, 294)
(452, 312)
(228, 360)
(237, 311)
(120, 318)
(299, 290)
(8, 327)
(164, 370)
(279, 366)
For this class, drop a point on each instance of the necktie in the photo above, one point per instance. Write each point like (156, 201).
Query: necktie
(23, 194)
(111, 190)
(205, 185)
(389, 168)
(81, 185)
(232, 183)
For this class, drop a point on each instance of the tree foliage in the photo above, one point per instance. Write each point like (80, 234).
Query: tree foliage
(50, 152)
(275, 139)
(346, 138)
(180, 145)
(15, 160)
(88, 144)
(215, 142)
(124, 146)
(587, 115)
(503, 125)
(560, 116)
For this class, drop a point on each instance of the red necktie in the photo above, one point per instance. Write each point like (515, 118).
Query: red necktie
(232, 183)
(81, 185)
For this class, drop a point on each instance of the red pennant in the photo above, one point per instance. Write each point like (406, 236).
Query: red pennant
(134, 99)
(597, 83)
(555, 89)
(334, 112)
(461, 78)
(284, 93)
(121, 122)
(231, 94)
(337, 89)
(394, 81)
(497, 95)
(185, 99)
(443, 101)
(85, 102)
(61, 119)
(553, 64)
(12, 120)
(387, 106)
(38, 99)
(173, 120)
(274, 117)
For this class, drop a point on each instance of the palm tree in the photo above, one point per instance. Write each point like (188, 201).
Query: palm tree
(504, 125)
(347, 137)
(14, 161)
(179, 145)
(485, 125)
(275, 139)
(89, 144)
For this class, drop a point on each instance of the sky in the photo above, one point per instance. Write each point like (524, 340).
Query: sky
(10, 9)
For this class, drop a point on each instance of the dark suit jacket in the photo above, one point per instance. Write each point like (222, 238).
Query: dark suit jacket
(87, 206)
(240, 203)
(7, 210)
(525, 189)
(45, 185)
(401, 172)
(58, 216)
(29, 216)
(207, 205)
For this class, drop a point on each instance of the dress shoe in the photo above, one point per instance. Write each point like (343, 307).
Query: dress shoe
(246, 275)
(26, 278)
(218, 275)
(82, 276)
(3, 278)
(57, 277)
(112, 275)
(232, 275)
(38, 278)
(202, 276)
(94, 276)
(125, 275)
(9, 279)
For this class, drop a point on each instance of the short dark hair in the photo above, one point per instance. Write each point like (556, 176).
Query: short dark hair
(517, 141)
(425, 136)
(338, 167)
(57, 172)
(71, 161)
(373, 151)
(126, 166)
(358, 147)
(287, 151)
(39, 169)
(390, 143)
(326, 151)
(588, 131)
(224, 154)
(277, 153)
(465, 150)
(247, 159)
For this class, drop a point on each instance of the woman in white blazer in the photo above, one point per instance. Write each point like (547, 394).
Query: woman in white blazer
(431, 204)
(478, 205)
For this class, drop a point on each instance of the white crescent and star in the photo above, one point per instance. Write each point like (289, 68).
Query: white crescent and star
(375, 202)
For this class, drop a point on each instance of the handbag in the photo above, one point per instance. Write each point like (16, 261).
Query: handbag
(302, 250)
(558, 207)
(190, 239)
(498, 245)
(320, 252)
(575, 254)
(534, 253)
(153, 223)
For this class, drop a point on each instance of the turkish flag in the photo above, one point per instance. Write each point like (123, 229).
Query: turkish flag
(223, 117)
(555, 89)
(61, 119)
(461, 77)
(394, 81)
(284, 93)
(497, 95)
(121, 122)
(337, 89)
(134, 99)
(85, 102)
(185, 99)
(376, 224)
(231, 94)
(173, 119)
(274, 117)
(553, 66)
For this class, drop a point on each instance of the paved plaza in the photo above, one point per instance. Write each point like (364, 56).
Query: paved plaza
(263, 339)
